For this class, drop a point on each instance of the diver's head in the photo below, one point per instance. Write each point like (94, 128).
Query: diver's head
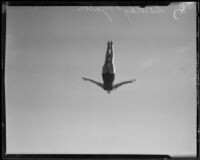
(108, 91)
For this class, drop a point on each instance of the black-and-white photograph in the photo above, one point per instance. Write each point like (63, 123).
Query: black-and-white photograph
(101, 80)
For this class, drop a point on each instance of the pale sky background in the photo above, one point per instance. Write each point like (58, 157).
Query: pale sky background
(50, 109)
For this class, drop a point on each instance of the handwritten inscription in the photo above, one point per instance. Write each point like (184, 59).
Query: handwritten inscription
(128, 11)
(137, 10)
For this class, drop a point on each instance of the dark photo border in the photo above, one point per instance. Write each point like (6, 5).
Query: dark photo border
(5, 3)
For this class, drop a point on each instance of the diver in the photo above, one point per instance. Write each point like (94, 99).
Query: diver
(108, 72)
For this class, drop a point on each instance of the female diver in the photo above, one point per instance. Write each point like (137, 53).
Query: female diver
(108, 72)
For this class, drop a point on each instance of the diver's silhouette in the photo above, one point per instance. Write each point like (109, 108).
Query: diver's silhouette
(108, 72)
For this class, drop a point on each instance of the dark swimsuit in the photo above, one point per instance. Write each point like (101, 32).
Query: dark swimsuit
(108, 79)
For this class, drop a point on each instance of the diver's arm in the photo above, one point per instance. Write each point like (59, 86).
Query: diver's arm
(97, 83)
(122, 83)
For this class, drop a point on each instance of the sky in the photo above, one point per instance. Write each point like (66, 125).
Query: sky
(50, 109)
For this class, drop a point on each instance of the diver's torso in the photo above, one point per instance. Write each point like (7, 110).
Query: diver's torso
(108, 79)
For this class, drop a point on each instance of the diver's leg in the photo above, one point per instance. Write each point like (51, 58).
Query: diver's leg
(105, 68)
(107, 52)
(110, 68)
(111, 60)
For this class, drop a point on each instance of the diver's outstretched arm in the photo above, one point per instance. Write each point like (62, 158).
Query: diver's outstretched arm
(122, 83)
(97, 83)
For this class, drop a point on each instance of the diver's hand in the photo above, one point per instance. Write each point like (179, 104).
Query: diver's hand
(133, 80)
(85, 79)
